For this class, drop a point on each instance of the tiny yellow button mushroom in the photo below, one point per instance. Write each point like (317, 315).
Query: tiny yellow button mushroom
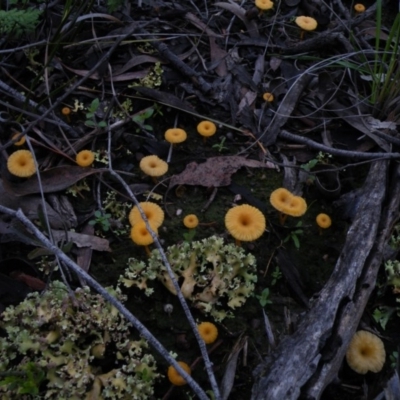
(85, 158)
(191, 221)
(21, 163)
(359, 8)
(206, 129)
(141, 236)
(153, 166)
(268, 97)
(306, 24)
(245, 223)
(208, 332)
(264, 5)
(323, 221)
(20, 141)
(173, 375)
(66, 112)
(173, 136)
(366, 352)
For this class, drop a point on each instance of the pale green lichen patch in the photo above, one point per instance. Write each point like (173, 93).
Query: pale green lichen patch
(212, 275)
(65, 336)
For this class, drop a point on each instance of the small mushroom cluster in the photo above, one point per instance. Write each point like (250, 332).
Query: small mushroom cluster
(139, 232)
(287, 204)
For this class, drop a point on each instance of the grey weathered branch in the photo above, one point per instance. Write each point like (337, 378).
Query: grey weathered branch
(309, 359)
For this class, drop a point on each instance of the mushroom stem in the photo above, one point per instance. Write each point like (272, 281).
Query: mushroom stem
(238, 243)
(147, 251)
(302, 34)
(170, 153)
(282, 218)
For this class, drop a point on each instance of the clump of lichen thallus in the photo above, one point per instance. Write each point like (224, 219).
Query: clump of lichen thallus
(80, 342)
(209, 271)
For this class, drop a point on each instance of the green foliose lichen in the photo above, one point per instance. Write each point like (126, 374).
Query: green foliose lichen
(80, 342)
(213, 275)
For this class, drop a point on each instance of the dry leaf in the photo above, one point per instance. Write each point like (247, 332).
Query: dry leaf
(215, 172)
(82, 240)
(53, 180)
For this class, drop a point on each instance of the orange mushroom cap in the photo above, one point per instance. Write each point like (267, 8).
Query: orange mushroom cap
(245, 223)
(175, 135)
(153, 166)
(85, 158)
(208, 332)
(21, 163)
(306, 23)
(153, 212)
(323, 221)
(173, 375)
(206, 128)
(366, 352)
(190, 221)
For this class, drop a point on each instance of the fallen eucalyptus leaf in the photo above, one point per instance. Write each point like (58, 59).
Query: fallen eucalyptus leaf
(215, 172)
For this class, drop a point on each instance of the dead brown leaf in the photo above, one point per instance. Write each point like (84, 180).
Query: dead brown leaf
(215, 172)
(53, 180)
(82, 240)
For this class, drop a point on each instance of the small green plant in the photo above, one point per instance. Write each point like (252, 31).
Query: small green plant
(220, 146)
(16, 22)
(91, 115)
(27, 381)
(310, 165)
(101, 219)
(263, 298)
(394, 359)
(189, 236)
(140, 119)
(294, 235)
(276, 276)
(382, 315)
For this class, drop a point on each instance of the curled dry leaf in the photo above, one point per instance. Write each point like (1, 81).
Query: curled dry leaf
(215, 172)
(53, 180)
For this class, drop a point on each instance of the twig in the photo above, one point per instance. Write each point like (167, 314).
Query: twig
(337, 152)
(193, 325)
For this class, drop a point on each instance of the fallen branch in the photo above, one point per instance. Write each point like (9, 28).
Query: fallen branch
(299, 357)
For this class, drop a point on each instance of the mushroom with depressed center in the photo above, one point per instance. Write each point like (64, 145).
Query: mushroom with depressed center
(21, 163)
(208, 332)
(206, 129)
(245, 223)
(173, 136)
(366, 352)
(287, 204)
(85, 158)
(175, 377)
(152, 211)
(141, 236)
(191, 221)
(153, 166)
(323, 221)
